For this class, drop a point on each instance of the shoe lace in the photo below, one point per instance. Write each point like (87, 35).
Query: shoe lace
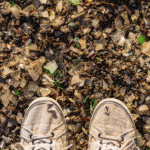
(44, 142)
(114, 143)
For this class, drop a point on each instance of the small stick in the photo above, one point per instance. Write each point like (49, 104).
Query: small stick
(145, 14)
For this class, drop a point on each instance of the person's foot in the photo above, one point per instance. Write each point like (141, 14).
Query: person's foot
(112, 127)
(43, 127)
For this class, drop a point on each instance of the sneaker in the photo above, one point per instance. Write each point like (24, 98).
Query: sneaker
(112, 127)
(43, 127)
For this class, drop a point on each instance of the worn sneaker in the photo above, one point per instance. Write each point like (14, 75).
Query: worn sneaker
(112, 127)
(44, 127)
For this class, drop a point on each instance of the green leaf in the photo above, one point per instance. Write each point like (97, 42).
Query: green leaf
(12, 3)
(141, 39)
(57, 73)
(57, 84)
(78, 46)
(46, 71)
(16, 91)
(86, 98)
(92, 104)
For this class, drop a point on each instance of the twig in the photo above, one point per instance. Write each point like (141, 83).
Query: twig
(144, 15)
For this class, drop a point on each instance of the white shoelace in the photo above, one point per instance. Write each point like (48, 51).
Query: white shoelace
(42, 142)
(112, 143)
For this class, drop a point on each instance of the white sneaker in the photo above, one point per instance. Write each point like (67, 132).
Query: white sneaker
(112, 127)
(44, 127)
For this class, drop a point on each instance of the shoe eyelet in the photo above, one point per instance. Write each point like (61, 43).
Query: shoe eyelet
(99, 135)
(52, 134)
(51, 142)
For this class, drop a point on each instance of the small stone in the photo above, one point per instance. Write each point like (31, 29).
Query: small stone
(99, 47)
(135, 16)
(57, 22)
(45, 14)
(121, 8)
(147, 99)
(45, 91)
(143, 109)
(87, 30)
(146, 48)
(126, 19)
(43, 1)
(118, 23)
(46, 80)
(2, 46)
(16, 11)
(59, 6)
(38, 64)
(19, 118)
(33, 74)
(76, 79)
(52, 17)
(148, 76)
(23, 83)
(6, 72)
(83, 44)
(32, 47)
(135, 116)
(32, 86)
(7, 139)
(14, 82)
(29, 8)
(147, 128)
(51, 66)
(2, 119)
(11, 123)
(148, 143)
(105, 85)
(27, 28)
(97, 34)
(79, 9)
(95, 23)
(108, 30)
(8, 97)
(16, 74)
(66, 111)
(117, 36)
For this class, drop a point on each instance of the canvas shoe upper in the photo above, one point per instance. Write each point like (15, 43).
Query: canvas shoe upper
(112, 127)
(43, 127)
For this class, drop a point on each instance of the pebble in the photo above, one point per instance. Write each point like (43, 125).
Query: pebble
(33, 74)
(8, 97)
(143, 109)
(11, 123)
(147, 99)
(6, 71)
(32, 86)
(79, 9)
(95, 23)
(146, 48)
(45, 91)
(19, 118)
(6, 139)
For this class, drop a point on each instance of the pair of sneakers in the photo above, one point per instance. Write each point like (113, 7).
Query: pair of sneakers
(44, 127)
